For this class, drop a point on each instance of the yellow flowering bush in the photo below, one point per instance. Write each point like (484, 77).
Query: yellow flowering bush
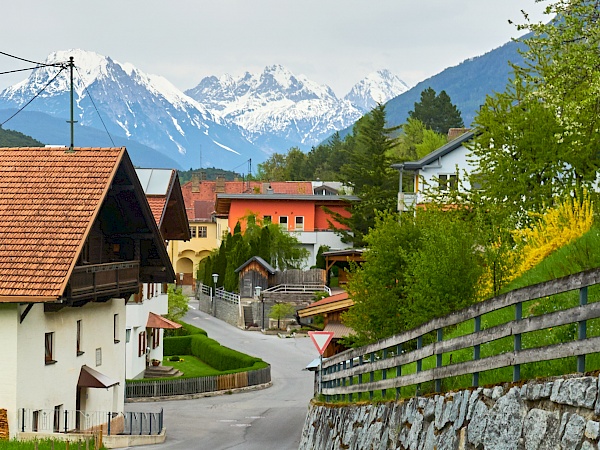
(554, 229)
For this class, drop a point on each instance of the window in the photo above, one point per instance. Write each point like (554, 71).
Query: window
(299, 223)
(266, 220)
(447, 182)
(192, 232)
(127, 335)
(116, 328)
(35, 421)
(98, 356)
(79, 350)
(142, 343)
(49, 344)
(155, 337)
(202, 232)
(283, 223)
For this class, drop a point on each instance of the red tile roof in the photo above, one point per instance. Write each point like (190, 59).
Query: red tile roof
(331, 299)
(157, 205)
(206, 191)
(48, 200)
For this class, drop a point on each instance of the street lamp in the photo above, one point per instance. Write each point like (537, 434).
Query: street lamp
(215, 277)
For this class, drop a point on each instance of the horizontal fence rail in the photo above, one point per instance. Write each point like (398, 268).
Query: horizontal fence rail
(198, 385)
(299, 288)
(92, 422)
(353, 371)
(226, 295)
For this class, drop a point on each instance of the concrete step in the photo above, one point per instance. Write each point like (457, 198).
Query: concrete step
(161, 372)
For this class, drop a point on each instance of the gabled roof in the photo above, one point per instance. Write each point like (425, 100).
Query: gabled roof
(224, 201)
(49, 200)
(164, 196)
(268, 267)
(436, 154)
(336, 302)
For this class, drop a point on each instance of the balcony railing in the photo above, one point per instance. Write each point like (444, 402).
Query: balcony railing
(104, 280)
(406, 201)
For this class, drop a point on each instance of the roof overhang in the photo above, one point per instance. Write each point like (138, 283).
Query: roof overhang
(311, 311)
(91, 378)
(156, 321)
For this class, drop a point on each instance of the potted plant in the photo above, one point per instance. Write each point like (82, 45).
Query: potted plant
(155, 362)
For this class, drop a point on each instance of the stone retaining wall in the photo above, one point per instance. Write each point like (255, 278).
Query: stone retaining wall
(559, 414)
(223, 310)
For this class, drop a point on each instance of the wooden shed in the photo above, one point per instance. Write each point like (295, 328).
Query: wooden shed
(254, 272)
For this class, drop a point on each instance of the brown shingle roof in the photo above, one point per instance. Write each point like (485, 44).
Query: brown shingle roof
(48, 200)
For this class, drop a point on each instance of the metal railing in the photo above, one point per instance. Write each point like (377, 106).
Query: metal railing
(75, 421)
(197, 385)
(353, 371)
(299, 288)
(222, 294)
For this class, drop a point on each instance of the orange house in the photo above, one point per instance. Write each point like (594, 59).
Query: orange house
(304, 215)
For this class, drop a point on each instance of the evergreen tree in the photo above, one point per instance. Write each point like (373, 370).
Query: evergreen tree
(368, 172)
(437, 112)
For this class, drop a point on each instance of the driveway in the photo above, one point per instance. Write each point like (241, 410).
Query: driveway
(256, 420)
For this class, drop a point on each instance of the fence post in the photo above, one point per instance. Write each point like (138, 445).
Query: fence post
(351, 380)
(108, 423)
(66, 419)
(384, 373)
(582, 328)
(398, 369)
(372, 374)
(360, 375)
(476, 351)
(517, 340)
(419, 362)
(438, 360)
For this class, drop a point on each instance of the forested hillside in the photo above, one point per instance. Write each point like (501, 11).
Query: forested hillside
(10, 138)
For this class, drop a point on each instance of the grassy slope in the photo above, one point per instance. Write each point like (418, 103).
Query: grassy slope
(580, 255)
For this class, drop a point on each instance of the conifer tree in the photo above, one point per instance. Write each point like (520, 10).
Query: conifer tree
(437, 112)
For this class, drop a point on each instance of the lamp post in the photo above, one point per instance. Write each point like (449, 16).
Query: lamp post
(215, 277)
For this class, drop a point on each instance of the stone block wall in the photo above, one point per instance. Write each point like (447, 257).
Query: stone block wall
(559, 414)
(223, 310)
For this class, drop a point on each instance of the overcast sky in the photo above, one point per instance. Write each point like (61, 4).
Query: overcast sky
(333, 42)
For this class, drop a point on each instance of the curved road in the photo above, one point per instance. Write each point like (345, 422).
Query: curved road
(255, 420)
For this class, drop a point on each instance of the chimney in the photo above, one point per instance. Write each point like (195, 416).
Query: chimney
(195, 183)
(453, 133)
(220, 184)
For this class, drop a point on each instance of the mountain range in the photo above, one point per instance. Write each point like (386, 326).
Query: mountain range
(223, 121)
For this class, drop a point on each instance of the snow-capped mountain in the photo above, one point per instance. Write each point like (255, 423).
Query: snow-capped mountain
(222, 122)
(276, 106)
(144, 108)
(377, 87)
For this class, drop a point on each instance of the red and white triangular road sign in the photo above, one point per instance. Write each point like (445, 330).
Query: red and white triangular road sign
(321, 339)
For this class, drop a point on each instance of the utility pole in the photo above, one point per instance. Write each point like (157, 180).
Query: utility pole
(71, 65)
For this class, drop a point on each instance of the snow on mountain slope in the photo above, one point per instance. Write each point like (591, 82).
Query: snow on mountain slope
(145, 108)
(377, 87)
(276, 104)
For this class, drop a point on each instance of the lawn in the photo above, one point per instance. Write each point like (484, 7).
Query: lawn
(45, 444)
(191, 366)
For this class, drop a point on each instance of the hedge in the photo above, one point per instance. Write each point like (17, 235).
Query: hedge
(198, 344)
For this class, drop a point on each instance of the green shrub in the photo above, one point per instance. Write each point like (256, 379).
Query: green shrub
(174, 358)
(177, 345)
(185, 330)
(219, 357)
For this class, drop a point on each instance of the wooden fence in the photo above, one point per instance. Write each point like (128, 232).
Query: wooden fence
(342, 374)
(198, 385)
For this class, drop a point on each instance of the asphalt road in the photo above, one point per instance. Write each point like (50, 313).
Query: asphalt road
(256, 420)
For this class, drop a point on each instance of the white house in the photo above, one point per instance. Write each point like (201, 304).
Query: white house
(144, 323)
(439, 169)
(77, 238)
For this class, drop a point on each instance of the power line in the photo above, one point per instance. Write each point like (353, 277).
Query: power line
(34, 97)
(93, 103)
(39, 64)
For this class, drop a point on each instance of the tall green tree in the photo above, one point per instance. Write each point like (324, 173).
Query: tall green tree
(416, 141)
(539, 138)
(368, 172)
(437, 112)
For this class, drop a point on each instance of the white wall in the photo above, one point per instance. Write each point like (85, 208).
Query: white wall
(446, 165)
(44, 386)
(137, 318)
(8, 355)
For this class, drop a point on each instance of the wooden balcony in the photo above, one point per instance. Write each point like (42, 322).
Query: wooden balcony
(104, 281)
